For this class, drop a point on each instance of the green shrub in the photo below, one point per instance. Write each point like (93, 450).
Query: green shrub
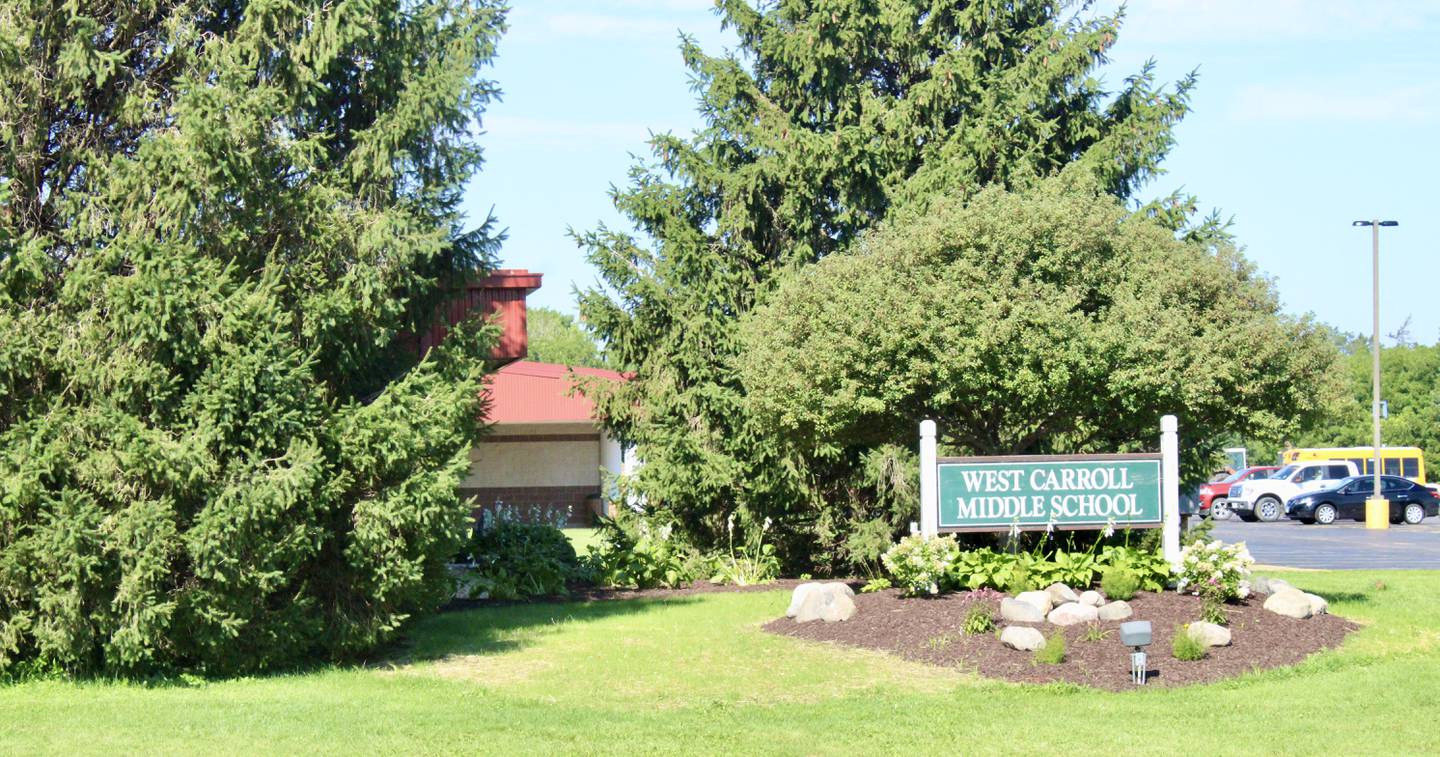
(1075, 569)
(1198, 532)
(985, 568)
(1095, 632)
(978, 620)
(1185, 648)
(1148, 564)
(513, 560)
(1119, 582)
(921, 564)
(1053, 653)
(876, 584)
(1212, 610)
(867, 544)
(637, 554)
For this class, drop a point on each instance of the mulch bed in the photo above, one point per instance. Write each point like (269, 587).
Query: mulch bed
(929, 630)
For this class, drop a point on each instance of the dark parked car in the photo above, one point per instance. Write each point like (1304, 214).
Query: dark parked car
(1217, 490)
(1409, 502)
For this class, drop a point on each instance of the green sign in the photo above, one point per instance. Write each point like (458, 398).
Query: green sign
(998, 493)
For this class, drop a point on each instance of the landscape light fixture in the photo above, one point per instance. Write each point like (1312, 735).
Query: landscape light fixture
(1136, 635)
(1377, 510)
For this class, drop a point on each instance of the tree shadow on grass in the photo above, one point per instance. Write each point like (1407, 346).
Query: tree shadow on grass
(1348, 596)
(507, 628)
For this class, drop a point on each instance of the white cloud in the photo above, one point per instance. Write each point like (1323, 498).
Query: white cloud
(1337, 103)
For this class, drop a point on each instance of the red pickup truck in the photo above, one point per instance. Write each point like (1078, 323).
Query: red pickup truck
(1221, 489)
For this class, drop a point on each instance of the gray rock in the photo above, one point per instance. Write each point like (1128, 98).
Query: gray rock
(1117, 610)
(1041, 599)
(1023, 638)
(1266, 585)
(1209, 634)
(1292, 603)
(1071, 613)
(797, 597)
(1016, 611)
(1060, 594)
(827, 603)
(1318, 605)
(1092, 598)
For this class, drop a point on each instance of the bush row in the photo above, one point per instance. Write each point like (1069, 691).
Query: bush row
(507, 559)
(931, 565)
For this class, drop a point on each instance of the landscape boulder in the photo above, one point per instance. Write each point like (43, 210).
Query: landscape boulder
(1292, 603)
(1092, 598)
(1209, 634)
(1117, 610)
(830, 602)
(1071, 613)
(1265, 585)
(1041, 599)
(1017, 611)
(798, 596)
(1023, 638)
(1060, 594)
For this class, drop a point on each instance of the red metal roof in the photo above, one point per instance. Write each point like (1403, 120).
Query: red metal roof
(530, 392)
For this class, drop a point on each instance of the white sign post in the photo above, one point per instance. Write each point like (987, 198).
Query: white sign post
(1170, 488)
(929, 481)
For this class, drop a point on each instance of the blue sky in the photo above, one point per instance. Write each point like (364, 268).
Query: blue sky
(1309, 114)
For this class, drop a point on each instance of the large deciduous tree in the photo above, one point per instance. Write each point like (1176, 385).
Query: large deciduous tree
(555, 337)
(1049, 320)
(218, 222)
(1410, 383)
(830, 115)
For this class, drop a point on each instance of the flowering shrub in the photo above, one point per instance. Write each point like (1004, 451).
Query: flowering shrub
(919, 564)
(1215, 570)
(754, 563)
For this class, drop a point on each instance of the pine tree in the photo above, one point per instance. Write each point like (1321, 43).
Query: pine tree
(830, 116)
(218, 223)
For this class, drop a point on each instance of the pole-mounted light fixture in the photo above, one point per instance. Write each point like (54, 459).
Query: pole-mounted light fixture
(1377, 510)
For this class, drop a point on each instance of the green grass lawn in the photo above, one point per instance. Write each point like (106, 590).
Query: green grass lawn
(696, 675)
(582, 539)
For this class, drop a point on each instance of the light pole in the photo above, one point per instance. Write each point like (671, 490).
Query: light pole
(1377, 510)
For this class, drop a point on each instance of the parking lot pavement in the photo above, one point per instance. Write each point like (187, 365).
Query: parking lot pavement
(1348, 546)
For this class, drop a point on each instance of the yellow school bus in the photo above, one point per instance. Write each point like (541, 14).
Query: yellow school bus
(1394, 461)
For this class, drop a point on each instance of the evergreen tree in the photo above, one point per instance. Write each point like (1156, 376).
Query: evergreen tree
(830, 115)
(218, 222)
